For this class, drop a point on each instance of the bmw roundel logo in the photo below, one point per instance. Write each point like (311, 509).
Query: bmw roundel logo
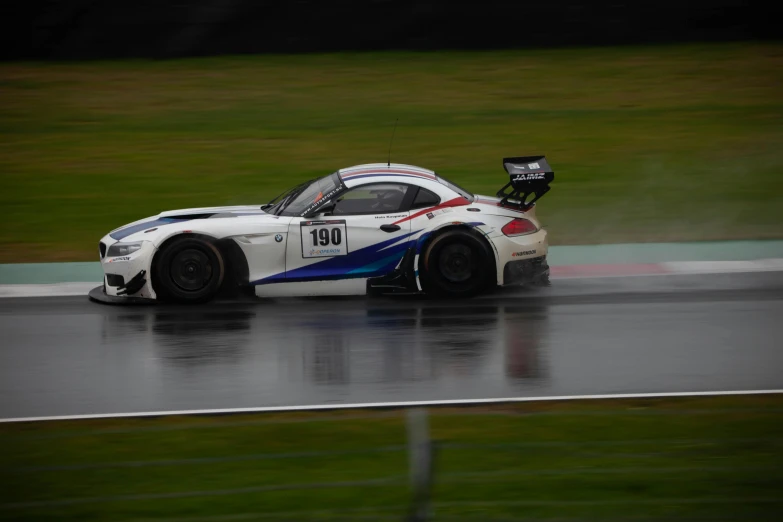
(279, 238)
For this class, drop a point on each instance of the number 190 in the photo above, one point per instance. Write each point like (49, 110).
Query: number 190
(321, 236)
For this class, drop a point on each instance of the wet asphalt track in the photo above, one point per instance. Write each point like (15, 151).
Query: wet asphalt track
(64, 356)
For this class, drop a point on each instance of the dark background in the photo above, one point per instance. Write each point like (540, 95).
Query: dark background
(89, 29)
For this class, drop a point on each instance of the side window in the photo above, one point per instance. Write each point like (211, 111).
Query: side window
(425, 199)
(380, 198)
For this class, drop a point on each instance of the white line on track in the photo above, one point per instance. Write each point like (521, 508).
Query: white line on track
(570, 272)
(719, 267)
(400, 404)
(47, 290)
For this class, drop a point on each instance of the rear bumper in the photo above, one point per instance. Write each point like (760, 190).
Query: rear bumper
(525, 271)
(520, 258)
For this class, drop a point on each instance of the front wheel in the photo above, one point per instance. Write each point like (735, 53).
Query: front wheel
(188, 270)
(456, 263)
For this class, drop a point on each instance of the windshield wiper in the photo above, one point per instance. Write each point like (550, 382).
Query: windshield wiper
(294, 194)
(276, 198)
(278, 204)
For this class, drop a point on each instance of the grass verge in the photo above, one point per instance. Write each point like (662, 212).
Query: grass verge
(717, 458)
(649, 143)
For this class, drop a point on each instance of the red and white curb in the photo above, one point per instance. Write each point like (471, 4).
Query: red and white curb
(557, 272)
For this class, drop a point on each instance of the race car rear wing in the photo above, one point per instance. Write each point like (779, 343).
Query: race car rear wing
(528, 175)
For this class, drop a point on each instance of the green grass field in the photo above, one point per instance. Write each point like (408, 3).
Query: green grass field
(667, 459)
(648, 143)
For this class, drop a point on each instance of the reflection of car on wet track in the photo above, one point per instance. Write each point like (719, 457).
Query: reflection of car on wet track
(369, 228)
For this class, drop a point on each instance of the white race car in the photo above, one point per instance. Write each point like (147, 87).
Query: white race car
(366, 229)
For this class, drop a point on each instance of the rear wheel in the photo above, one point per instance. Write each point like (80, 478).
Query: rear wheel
(188, 270)
(456, 263)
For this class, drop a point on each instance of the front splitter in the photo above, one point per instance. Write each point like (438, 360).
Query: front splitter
(98, 294)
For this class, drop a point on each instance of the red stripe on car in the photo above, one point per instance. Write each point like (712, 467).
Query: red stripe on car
(456, 202)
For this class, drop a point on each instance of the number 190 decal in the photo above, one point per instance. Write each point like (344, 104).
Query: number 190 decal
(324, 238)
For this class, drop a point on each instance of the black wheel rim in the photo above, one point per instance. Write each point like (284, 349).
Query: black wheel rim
(191, 270)
(457, 263)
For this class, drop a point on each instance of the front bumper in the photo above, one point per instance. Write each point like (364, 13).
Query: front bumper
(129, 276)
(99, 295)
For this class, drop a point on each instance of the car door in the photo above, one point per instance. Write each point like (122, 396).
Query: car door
(364, 233)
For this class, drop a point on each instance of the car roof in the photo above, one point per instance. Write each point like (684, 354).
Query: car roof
(372, 173)
(396, 170)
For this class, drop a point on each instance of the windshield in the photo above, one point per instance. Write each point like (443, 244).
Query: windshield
(456, 188)
(305, 197)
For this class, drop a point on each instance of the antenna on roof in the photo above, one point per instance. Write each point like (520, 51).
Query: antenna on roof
(388, 163)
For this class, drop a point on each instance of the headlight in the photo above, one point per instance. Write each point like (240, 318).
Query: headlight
(123, 249)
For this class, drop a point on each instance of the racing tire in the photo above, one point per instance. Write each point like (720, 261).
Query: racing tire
(456, 263)
(188, 270)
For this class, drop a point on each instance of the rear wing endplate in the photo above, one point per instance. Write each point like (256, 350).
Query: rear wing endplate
(528, 175)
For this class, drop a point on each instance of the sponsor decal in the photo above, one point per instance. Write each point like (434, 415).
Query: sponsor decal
(122, 258)
(534, 165)
(327, 222)
(523, 253)
(323, 199)
(279, 237)
(529, 176)
(390, 216)
(439, 211)
(315, 252)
